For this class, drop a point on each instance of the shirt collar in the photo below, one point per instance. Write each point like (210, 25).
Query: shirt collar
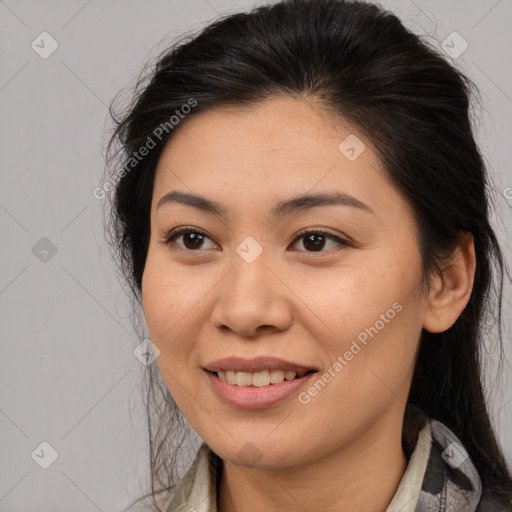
(451, 481)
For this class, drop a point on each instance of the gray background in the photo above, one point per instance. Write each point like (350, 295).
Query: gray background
(68, 373)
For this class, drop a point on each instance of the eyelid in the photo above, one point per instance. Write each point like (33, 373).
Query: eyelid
(177, 232)
(343, 240)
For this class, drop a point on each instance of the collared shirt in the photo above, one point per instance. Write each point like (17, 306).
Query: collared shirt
(439, 477)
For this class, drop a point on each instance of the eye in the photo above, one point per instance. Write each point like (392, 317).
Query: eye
(314, 239)
(192, 238)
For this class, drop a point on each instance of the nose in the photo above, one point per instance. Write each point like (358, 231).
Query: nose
(252, 299)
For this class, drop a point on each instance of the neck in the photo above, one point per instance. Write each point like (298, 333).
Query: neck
(363, 475)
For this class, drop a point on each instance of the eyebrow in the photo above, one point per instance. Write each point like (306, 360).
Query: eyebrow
(286, 207)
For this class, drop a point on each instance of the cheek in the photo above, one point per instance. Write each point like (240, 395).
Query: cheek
(366, 368)
(172, 304)
(370, 316)
(168, 325)
(347, 300)
(162, 310)
(166, 295)
(157, 301)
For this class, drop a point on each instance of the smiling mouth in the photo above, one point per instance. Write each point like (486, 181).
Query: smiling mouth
(259, 379)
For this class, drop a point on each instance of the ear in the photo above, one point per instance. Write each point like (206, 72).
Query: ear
(450, 293)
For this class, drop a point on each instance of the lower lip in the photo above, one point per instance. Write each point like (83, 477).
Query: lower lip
(250, 397)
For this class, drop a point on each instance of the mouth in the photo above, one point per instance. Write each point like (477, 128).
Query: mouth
(259, 379)
(262, 389)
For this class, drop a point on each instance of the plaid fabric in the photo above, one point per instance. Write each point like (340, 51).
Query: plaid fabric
(451, 481)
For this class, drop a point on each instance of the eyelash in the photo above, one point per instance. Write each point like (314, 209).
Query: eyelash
(170, 238)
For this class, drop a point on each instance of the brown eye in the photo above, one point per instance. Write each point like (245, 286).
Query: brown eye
(315, 240)
(192, 238)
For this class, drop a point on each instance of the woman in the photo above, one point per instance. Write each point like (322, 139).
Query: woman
(301, 210)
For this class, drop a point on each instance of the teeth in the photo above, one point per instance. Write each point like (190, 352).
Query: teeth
(243, 379)
(257, 379)
(276, 376)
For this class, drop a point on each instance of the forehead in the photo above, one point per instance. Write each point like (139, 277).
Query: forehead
(281, 148)
(281, 134)
(277, 123)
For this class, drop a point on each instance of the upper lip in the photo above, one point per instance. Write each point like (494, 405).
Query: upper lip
(257, 364)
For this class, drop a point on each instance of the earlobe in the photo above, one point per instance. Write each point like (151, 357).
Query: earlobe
(451, 292)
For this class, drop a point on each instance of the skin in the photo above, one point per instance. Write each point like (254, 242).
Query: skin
(292, 302)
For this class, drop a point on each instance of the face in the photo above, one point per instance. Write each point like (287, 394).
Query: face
(343, 299)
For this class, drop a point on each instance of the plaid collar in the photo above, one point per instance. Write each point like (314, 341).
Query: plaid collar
(451, 481)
